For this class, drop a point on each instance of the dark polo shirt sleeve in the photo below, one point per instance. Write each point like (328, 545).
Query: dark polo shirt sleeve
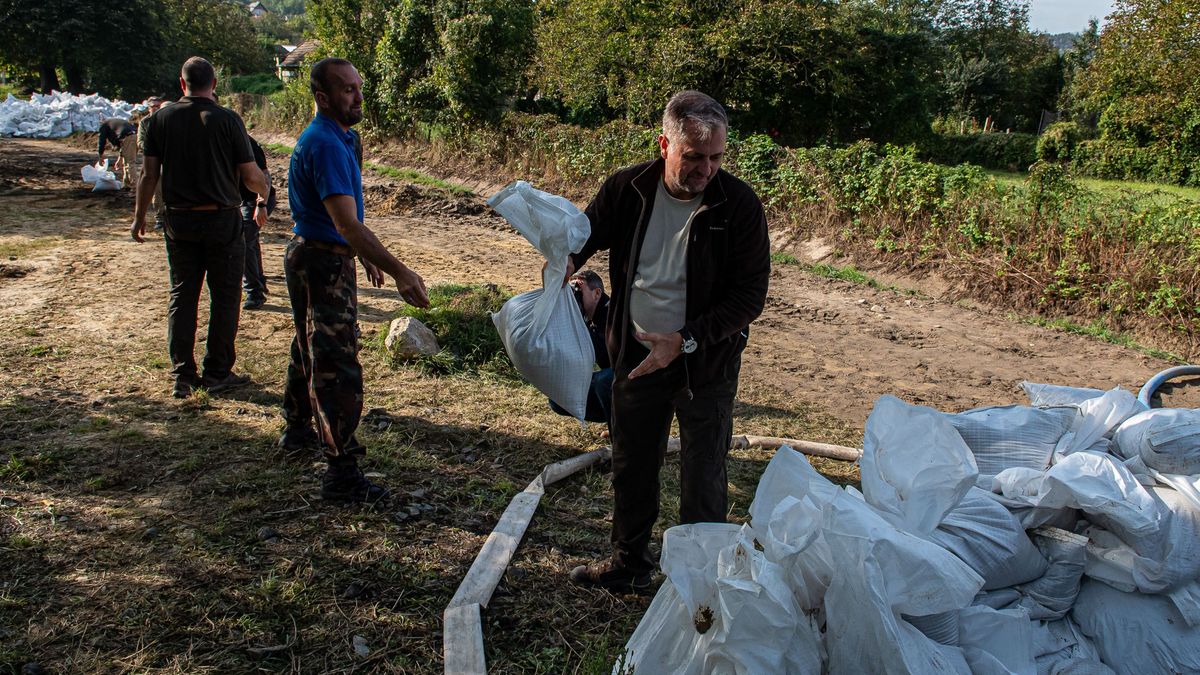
(200, 145)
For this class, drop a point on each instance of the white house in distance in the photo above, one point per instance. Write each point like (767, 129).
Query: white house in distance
(257, 10)
(290, 65)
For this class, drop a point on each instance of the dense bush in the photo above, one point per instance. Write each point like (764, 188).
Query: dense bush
(258, 83)
(289, 110)
(1057, 143)
(1006, 152)
(1103, 158)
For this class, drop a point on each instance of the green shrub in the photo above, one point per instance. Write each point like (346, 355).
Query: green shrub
(1057, 143)
(1006, 152)
(289, 110)
(1116, 160)
(258, 83)
(460, 316)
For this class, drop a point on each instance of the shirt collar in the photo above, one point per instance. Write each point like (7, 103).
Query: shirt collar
(347, 136)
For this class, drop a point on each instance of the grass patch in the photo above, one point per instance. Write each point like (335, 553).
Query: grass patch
(460, 316)
(855, 276)
(20, 248)
(278, 148)
(418, 178)
(1112, 187)
(783, 258)
(1100, 332)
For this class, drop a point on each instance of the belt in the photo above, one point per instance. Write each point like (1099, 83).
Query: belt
(201, 207)
(340, 249)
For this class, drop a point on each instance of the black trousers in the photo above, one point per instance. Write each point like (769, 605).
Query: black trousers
(642, 413)
(200, 245)
(254, 281)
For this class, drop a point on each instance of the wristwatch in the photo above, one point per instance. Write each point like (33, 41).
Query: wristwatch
(689, 343)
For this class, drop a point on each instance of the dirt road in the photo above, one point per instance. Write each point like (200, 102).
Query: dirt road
(134, 524)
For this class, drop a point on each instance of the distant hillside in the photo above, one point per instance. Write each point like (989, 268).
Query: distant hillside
(1064, 41)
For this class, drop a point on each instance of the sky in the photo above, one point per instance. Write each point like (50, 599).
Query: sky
(1066, 16)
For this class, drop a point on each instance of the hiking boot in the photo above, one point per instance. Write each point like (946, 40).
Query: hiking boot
(230, 381)
(345, 482)
(183, 387)
(254, 303)
(611, 575)
(295, 439)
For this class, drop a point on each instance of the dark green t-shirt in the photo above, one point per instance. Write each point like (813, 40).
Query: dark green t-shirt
(200, 145)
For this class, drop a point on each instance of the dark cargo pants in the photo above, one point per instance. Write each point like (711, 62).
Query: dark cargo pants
(254, 281)
(204, 244)
(641, 423)
(324, 378)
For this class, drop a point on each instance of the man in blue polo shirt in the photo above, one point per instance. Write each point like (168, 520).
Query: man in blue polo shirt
(324, 379)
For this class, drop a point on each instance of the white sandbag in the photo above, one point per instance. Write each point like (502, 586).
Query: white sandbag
(99, 175)
(1051, 596)
(1012, 436)
(1090, 482)
(689, 559)
(996, 642)
(760, 629)
(557, 355)
(60, 114)
(787, 514)
(1061, 648)
(888, 573)
(1043, 395)
(543, 330)
(983, 534)
(1137, 634)
(664, 641)
(1168, 557)
(915, 467)
(1167, 440)
(1098, 419)
(941, 628)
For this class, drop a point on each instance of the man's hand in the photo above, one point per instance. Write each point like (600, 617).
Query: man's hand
(374, 275)
(411, 287)
(664, 348)
(138, 229)
(570, 270)
(260, 214)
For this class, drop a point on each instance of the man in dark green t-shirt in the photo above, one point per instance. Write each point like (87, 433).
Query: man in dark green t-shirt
(203, 154)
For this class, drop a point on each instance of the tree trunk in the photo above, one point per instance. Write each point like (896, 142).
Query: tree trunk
(48, 76)
(74, 78)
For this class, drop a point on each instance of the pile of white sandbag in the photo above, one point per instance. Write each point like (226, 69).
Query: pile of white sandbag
(1060, 537)
(59, 114)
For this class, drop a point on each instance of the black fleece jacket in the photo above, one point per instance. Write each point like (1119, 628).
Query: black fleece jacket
(728, 262)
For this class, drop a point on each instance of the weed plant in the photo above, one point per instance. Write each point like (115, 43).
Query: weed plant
(460, 316)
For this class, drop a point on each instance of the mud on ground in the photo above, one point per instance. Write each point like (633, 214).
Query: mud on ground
(142, 533)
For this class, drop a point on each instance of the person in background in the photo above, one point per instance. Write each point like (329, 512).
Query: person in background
(121, 134)
(324, 377)
(689, 261)
(154, 103)
(203, 154)
(593, 303)
(255, 212)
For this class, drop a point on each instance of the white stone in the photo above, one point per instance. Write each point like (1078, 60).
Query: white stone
(408, 338)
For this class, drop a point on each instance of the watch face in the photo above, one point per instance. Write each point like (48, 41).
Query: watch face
(689, 346)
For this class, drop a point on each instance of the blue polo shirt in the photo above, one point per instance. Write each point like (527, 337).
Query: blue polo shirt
(323, 165)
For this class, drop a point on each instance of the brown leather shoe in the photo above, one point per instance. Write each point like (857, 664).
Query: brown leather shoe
(611, 575)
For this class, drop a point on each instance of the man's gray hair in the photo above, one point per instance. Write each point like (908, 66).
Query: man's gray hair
(702, 110)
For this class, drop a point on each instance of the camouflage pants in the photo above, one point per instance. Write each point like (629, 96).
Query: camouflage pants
(324, 378)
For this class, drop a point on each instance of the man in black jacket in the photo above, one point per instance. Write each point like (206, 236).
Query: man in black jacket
(688, 264)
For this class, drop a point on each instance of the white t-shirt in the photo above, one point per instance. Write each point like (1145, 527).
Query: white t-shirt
(658, 298)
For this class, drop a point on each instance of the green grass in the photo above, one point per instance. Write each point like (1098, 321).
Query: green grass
(460, 316)
(782, 258)
(278, 148)
(1013, 178)
(1100, 332)
(855, 276)
(418, 178)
